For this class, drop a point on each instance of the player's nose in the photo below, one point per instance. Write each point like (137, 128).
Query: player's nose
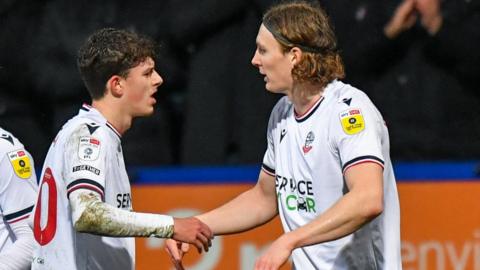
(157, 79)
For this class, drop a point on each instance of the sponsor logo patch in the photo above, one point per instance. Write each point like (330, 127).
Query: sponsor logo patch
(88, 148)
(352, 121)
(86, 168)
(20, 163)
(124, 200)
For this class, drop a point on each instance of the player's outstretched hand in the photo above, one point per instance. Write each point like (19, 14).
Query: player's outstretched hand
(176, 250)
(192, 230)
(275, 256)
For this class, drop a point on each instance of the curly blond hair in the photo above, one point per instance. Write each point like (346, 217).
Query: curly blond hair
(306, 26)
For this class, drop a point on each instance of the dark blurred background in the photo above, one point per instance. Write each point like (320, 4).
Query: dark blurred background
(213, 109)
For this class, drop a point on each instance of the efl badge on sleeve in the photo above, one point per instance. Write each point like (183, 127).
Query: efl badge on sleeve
(352, 121)
(20, 163)
(89, 148)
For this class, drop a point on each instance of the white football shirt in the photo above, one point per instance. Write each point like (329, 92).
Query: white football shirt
(308, 155)
(86, 154)
(18, 186)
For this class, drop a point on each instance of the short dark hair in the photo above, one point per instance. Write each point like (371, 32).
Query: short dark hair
(109, 52)
(306, 26)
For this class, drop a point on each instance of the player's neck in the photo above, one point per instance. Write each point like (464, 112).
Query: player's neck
(304, 97)
(116, 117)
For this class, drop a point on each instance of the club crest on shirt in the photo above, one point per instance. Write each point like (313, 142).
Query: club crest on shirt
(352, 121)
(20, 163)
(308, 142)
(88, 148)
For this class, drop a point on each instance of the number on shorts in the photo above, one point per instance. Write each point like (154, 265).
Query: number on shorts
(46, 235)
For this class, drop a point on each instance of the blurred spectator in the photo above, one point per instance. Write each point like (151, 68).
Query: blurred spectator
(226, 104)
(154, 141)
(20, 107)
(61, 30)
(426, 55)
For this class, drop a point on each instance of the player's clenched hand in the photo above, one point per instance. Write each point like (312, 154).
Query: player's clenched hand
(176, 250)
(275, 256)
(192, 230)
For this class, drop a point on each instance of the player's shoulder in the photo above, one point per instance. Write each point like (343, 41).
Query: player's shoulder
(88, 128)
(13, 151)
(346, 96)
(8, 142)
(86, 138)
(282, 107)
(352, 108)
(82, 128)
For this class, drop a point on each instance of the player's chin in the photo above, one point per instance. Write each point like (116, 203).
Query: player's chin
(272, 89)
(146, 112)
(150, 111)
(268, 87)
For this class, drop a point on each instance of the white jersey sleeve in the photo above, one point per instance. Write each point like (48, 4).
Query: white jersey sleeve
(19, 254)
(18, 187)
(85, 160)
(356, 131)
(86, 157)
(91, 215)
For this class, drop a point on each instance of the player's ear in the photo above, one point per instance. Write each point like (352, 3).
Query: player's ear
(295, 55)
(115, 85)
